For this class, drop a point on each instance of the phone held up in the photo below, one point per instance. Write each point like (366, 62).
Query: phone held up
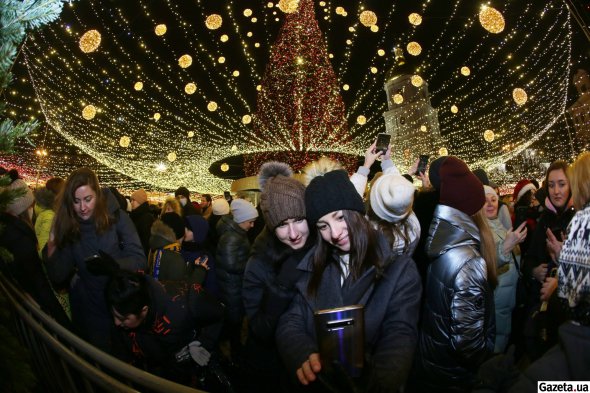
(382, 144)
(422, 163)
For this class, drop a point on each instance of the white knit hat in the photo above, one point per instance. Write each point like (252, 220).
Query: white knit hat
(242, 210)
(391, 197)
(489, 190)
(23, 202)
(220, 207)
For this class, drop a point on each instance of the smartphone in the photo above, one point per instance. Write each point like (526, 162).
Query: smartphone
(382, 144)
(422, 163)
(520, 216)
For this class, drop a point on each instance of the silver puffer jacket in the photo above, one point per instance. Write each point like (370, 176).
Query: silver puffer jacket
(458, 330)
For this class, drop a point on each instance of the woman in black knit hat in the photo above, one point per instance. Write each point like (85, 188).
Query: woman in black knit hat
(350, 264)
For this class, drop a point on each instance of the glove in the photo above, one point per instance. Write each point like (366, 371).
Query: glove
(289, 274)
(102, 264)
(199, 354)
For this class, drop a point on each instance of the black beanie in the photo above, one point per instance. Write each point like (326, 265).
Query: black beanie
(433, 172)
(331, 192)
(184, 192)
(482, 176)
(175, 222)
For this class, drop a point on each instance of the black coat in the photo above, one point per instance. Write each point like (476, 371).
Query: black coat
(26, 268)
(143, 219)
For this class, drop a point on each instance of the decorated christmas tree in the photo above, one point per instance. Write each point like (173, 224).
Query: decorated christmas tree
(300, 113)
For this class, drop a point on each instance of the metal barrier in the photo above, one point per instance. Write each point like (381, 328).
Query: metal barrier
(65, 363)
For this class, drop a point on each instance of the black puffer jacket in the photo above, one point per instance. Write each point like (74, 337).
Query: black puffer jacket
(458, 329)
(231, 257)
(143, 219)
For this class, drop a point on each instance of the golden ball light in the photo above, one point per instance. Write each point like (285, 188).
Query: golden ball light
(138, 86)
(246, 119)
(454, 108)
(414, 48)
(213, 21)
(340, 10)
(443, 151)
(124, 141)
(374, 28)
(361, 120)
(190, 88)
(491, 19)
(417, 80)
(398, 98)
(247, 12)
(374, 70)
(288, 6)
(171, 157)
(212, 106)
(191, 134)
(160, 29)
(157, 116)
(368, 18)
(224, 38)
(90, 41)
(89, 112)
(519, 96)
(381, 52)
(488, 135)
(415, 19)
(465, 71)
(423, 128)
(224, 167)
(185, 61)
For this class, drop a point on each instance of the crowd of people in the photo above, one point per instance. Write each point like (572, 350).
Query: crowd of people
(459, 289)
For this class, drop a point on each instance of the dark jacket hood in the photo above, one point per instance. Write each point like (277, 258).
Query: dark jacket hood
(199, 226)
(227, 223)
(450, 228)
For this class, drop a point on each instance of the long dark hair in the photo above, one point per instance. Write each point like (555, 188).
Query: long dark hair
(66, 225)
(558, 165)
(364, 251)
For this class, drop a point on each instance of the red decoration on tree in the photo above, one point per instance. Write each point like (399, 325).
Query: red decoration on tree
(300, 113)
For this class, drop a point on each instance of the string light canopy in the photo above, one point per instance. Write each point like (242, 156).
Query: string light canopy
(532, 53)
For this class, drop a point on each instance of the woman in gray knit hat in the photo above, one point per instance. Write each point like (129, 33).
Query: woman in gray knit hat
(271, 272)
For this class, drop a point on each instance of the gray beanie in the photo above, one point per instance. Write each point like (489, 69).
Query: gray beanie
(23, 202)
(242, 210)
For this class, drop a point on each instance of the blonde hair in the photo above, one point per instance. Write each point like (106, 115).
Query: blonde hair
(579, 175)
(487, 246)
(319, 168)
(174, 204)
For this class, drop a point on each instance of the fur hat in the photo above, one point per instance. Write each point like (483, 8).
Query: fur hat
(242, 210)
(459, 187)
(521, 188)
(184, 192)
(175, 222)
(139, 196)
(282, 196)
(24, 201)
(392, 197)
(331, 192)
(489, 190)
(220, 207)
(433, 172)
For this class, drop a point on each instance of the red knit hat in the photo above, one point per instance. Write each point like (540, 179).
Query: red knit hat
(521, 188)
(459, 187)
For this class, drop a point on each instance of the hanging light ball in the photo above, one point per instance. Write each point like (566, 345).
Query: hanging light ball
(414, 48)
(236, 73)
(212, 106)
(398, 98)
(491, 19)
(340, 10)
(258, 87)
(488, 135)
(138, 86)
(374, 28)
(185, 61)
(288, 6)
(443, 151)
(381, 52)
(90, 41)
(191, 134)
(160, 29)
(345, 87)
(89, 112)
(415, 19)
(213, 21)
(246, 119)
(190, 88)
(465, 71)
(224, 38)
(374, 70)
(454, 108)
(156, 116)
(368, 18)
(519, 96)
(361, 120)
(224, 167)
(247, 12)
(417, 80)
(171, 157)
(423, 128)
(124, 141)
